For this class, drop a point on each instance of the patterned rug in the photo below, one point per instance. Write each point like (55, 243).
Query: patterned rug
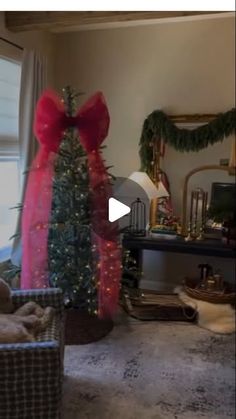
(151, 370)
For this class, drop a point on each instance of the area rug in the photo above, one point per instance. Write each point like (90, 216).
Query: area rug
(151, 370)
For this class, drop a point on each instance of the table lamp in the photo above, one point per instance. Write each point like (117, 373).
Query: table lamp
(153, 191)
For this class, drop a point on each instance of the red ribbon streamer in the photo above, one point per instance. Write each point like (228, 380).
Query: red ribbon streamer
(92, 122)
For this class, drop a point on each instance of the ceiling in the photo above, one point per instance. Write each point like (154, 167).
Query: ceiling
(67, 21)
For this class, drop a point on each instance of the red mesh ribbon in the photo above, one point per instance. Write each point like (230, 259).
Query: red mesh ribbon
(92, 121)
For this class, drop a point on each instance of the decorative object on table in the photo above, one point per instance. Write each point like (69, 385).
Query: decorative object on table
(151, 189)
(197, 216)
(137, 224)
(166, 228)
(152, 305)
(163, 233)
(68, 188)
(159, 125)
(185, 227)
(216, 316)
(162, 205)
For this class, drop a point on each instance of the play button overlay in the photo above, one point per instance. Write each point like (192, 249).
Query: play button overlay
(117, 210)
(111, 207)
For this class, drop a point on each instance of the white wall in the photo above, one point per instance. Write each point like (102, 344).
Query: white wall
(182, 67)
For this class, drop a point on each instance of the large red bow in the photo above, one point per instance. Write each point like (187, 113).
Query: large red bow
(92, 121)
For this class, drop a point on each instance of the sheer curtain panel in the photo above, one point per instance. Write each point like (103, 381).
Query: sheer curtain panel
(33, 82)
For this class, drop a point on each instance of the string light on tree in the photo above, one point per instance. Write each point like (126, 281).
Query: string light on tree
(70, 250)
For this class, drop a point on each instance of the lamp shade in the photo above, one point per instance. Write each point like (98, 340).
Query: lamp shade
(152, 191)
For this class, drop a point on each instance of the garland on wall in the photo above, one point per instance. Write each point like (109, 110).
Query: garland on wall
(159, 126)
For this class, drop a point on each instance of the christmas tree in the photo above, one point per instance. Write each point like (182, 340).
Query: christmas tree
(67, 240)
(70, 249)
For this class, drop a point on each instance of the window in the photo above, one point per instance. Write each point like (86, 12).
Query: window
(10, 73)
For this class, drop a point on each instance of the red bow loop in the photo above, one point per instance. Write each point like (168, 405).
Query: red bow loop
(49, 122)
(92, 121)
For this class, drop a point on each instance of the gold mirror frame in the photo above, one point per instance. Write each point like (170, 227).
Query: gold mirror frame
(184, 226)
(231, 168)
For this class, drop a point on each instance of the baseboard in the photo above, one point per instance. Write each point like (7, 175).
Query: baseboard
(157, 285)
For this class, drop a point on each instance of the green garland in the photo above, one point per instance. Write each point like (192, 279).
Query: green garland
(158, 125)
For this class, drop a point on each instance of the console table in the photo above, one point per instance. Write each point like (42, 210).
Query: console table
(205, 247)
(179, 245)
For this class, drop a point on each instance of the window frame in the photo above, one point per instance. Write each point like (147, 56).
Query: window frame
(9, 150)
(5, 251)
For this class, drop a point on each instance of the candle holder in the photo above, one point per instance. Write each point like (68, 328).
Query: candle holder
(184, 214)
(189, 236)
(201, 233)
(197, 216)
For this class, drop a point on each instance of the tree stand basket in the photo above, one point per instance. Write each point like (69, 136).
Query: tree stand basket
(82, 328)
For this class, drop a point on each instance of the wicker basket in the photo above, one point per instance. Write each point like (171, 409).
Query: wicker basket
(154, 305)
(192, 288)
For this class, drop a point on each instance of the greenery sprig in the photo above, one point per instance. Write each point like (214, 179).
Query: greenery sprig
(158, 125)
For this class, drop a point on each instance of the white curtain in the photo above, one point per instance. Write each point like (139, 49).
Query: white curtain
(33, 82)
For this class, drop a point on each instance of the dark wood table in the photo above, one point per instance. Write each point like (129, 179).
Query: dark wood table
(179, 245)
(207, 247)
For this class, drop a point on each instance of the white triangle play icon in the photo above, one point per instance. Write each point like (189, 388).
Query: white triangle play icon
(116, 210)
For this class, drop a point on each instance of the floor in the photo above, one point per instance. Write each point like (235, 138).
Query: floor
(151, 370)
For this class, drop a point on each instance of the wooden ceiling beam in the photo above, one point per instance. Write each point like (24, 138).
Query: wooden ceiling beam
(28, 21)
